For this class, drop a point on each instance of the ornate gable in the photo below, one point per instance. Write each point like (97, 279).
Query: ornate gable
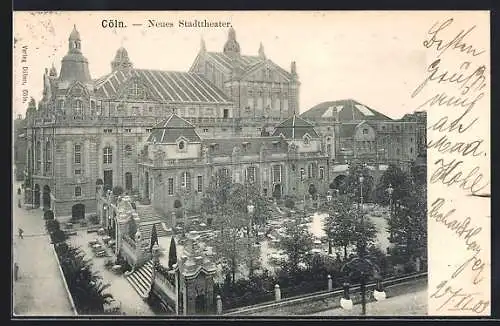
(77, 89)
(135, 89)
(266, 71)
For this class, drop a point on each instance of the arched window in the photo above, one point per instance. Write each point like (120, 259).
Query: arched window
(181, 145)
(128, 181)
(186, 181)
(107, 155)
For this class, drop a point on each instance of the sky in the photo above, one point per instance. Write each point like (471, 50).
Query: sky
(376, 58)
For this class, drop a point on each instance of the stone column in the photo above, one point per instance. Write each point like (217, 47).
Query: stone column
(277, 292)
(219, 305)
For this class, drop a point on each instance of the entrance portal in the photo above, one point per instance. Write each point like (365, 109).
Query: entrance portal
(108, 180)
(46, 197)
(128, 181)
(78, 212)
(200, 305)
(277, 191)
(36, 195)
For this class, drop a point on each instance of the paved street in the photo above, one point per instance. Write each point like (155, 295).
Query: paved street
(409, 304)
(39, 289)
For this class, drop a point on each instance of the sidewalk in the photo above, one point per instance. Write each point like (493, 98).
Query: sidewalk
(39, 290)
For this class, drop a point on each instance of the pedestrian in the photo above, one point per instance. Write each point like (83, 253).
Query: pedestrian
(16, 271)
(19, 203)
(20, 233)
(18, 191)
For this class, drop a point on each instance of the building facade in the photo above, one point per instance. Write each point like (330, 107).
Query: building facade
(353, 131)
(178, 165)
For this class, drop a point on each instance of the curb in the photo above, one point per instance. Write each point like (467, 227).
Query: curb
(73, 308)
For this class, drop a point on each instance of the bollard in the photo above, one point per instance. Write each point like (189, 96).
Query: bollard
(219, 305)
(330, 283)
(277, 293)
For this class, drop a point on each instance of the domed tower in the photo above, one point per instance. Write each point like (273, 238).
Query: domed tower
(74, 65)
(121, 61)
(232, 48)
(53, 71)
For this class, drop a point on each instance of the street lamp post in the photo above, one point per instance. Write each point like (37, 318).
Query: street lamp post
(362, 265)
(390, 191)
(250, 211)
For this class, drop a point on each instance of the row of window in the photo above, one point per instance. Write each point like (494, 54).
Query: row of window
(260, 103)
(107, 154)
(185, 183)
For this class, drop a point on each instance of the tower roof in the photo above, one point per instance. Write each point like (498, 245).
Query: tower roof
(74, 66)
(75, 35)
(171, 129)
(121, 60)
(347, 110)
(232, 46)
(295, 128)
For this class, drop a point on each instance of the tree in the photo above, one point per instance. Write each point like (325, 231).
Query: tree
(86, 287)
(409, 222)
(400, 182)
(297, 245)
(172, 254)
(351, 185)
(343, 225)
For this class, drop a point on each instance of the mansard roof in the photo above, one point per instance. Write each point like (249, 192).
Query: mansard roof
(166, 86)
(347, 110)
(295, 128)
(171, 129)
(246, 145)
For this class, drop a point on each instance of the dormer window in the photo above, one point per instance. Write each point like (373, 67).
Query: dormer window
(181, 144)
(136, 90)
(307, 139)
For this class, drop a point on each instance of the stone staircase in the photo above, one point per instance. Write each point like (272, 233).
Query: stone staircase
(147, 228)
(141, 279)
(149, 217)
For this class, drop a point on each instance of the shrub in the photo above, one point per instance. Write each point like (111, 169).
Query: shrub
(289, 203)
(117, 190)
(94, 219)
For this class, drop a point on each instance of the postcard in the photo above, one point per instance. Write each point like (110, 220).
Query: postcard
(251, 163)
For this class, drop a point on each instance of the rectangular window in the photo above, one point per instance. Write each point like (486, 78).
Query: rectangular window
(128, 130)
(277, 173)
(302, 174)
(200, 184)
(78, 154)
(170, 186)
(148, 130)
(250, 102)
(108, 131)
(251, 174)
(285, 104)
(78, 191)
(78, 172)
(321, 173)
(205, 130)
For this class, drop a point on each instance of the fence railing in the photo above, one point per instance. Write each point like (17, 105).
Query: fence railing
(321, 295)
